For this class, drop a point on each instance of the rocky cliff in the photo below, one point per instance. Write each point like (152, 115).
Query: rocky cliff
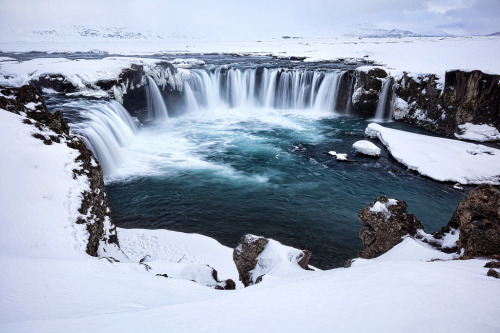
(427, 101)
(52, 130)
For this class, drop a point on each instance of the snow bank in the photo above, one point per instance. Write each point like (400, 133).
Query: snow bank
(478, 132)
(188, 63)
(49, 284)
(366, 148)
(177, 253)
(39, 199)
(439, 158)
(278, 260)
(81, 73)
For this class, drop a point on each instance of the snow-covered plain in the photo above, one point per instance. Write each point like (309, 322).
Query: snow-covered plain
(411, 54)
(49, 284)
(439, 158)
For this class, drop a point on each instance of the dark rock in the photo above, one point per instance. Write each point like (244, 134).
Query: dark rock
(303, 259)
(259, 279)
(230, 285)
(492, 264)
(367, 89)
(478, 218)
(245, 256)
(163, 275)
(94, 210)
(348, 263)
(385, 222)
(467, 97)
(55, 82)
(493, 273)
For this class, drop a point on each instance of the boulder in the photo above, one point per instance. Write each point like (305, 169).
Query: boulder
(245, 256)
(256, 256)
(385, 222)
(478, 218)
(365, 147)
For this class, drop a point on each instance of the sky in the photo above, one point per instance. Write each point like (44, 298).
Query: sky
(253, 18)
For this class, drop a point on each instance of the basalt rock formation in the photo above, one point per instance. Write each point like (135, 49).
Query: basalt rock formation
(367, 89)
(478, 219)
(466, 97)
(51, 129)
(385, 223)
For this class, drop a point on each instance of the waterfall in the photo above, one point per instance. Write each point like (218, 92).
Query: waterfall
(156, 105)
(107, 129)
(382, 101)
(262, 87)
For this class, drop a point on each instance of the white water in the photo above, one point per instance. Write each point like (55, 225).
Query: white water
(107, 130)
(212, 101)
(382, 101)
(156, 105)
(269, 88)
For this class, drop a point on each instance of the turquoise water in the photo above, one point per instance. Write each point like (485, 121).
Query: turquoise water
(263, 171)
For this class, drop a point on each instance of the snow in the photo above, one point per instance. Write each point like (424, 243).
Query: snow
(449, 240)
(481, 132)
(380, 207)
(439, 158)
(51, 205)
(410, 54)
(168, 249)
(341, 157)
(82, 73)
(278, 260)
(188, 63)
(366, 148)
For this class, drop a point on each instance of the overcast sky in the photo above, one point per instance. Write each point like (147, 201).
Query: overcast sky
(255, 17)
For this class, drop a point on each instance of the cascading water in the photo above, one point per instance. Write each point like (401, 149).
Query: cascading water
(156, 105)
(107, 128)
(249, 157)
(262, 87)
(380, 113)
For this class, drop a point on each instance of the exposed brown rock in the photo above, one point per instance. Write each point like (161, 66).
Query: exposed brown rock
(493, 273)
(492, 264)
(385, 222)
(245, 256)
(478, 217)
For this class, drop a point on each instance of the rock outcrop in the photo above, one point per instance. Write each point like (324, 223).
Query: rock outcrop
(94, 210)
(466, 97)
(385, 222)
(252, 264)
(245, 256)
(367, 89)
(478, 219)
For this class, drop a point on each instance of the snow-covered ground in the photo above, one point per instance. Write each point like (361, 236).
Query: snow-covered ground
(439, 158)
(49, 284)
(411, 54)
